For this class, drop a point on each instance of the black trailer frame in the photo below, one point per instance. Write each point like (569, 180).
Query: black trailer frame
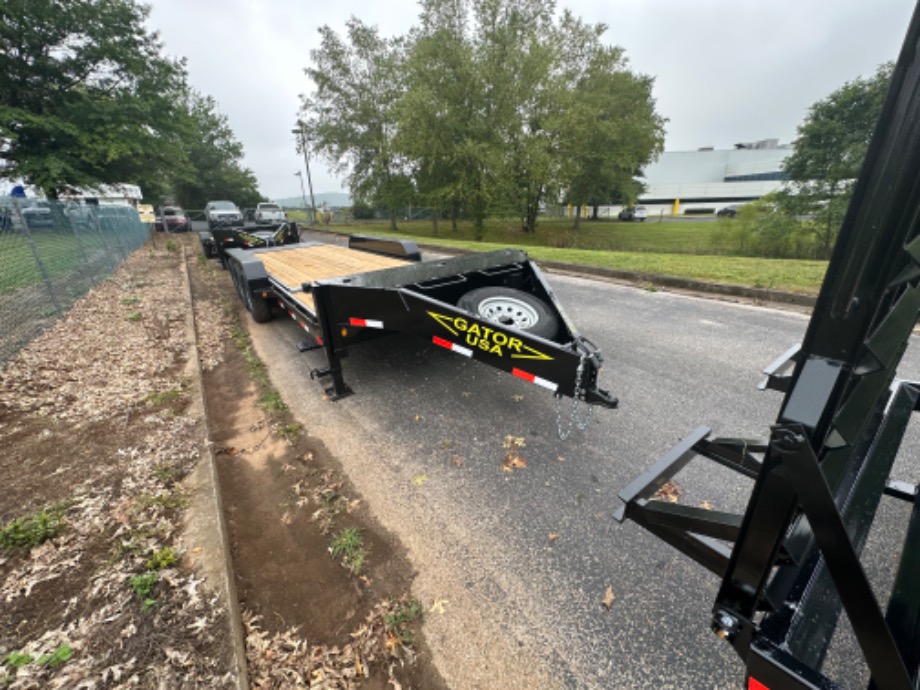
(421, 298)
(791, 562)
(215, 243)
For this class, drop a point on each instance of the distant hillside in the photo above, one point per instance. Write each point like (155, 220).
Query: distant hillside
(333, 199)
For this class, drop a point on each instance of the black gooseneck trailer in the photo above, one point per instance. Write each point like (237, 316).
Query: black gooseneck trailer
(791, 562)
(494, 307)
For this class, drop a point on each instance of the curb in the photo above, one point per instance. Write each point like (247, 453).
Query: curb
(205, 521)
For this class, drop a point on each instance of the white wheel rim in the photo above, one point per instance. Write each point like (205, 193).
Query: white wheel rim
(509, 311)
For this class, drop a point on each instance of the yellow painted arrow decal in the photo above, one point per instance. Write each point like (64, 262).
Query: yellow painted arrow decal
(487, 339)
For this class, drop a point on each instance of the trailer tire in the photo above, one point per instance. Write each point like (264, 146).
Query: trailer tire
(509, 307)
(259, 307)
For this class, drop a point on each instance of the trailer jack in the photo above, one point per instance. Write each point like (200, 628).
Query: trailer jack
(791, 562)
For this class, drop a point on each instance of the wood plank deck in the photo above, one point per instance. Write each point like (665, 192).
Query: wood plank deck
(301, 266)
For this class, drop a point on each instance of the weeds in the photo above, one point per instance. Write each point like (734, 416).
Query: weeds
(143, 585)
(165, 474)
(171, 247)
(289, 431)
(19, 659)
(164, 397)
(398, 623)
(348, 545)
(130, 301)
(163, 558)
(169, 500)
(271, 401)
(135, 317)
(25, 533)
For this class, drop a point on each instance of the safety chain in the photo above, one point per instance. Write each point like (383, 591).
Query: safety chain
(574, 421)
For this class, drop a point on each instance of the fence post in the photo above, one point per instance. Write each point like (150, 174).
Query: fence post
(41, 267)
(86, 267)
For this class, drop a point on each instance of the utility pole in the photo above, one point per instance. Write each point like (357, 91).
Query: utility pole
(304, 195)
(301, 131)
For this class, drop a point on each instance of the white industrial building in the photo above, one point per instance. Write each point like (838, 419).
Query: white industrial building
(709, 179)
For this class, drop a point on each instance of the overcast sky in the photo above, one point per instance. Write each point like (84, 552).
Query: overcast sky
(725, 71)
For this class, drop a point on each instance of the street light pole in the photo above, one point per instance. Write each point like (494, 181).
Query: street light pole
(301, 131)
(304, 195)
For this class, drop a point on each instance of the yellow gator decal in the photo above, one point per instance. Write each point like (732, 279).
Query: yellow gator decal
(487, 339)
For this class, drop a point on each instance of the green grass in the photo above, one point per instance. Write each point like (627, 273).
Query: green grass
(58, 252)
(681, 249)
(348, 545)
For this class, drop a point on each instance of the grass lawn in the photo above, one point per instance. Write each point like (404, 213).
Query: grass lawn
(684, 249)
(58, 252)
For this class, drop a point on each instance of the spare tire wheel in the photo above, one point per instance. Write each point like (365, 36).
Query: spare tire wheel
(514, 308)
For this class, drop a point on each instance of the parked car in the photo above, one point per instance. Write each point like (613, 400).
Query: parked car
(633, 213)
(172, 219)
(221, 214)
(727, 211)
(80, 215)
(36, 214)
(269, 214)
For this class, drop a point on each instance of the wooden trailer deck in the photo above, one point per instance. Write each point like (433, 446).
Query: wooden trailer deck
(298, 268)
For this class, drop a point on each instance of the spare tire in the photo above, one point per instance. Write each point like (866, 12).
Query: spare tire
(514, 308)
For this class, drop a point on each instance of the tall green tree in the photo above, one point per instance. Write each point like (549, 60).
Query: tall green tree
(350, 117)
(212, 167)
(85, 94)
(829, 151)
(436, 115)
(609, 127)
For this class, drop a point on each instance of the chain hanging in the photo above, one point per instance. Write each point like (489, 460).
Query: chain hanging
(575, 420)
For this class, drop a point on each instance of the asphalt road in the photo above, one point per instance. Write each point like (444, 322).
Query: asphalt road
(422, 440)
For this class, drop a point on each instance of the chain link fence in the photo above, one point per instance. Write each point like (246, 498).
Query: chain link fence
(51, 254)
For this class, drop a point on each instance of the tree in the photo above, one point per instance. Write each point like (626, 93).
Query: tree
(214, 167)
(609, 128)
(829, 151)
(350, 118)
(85, 96)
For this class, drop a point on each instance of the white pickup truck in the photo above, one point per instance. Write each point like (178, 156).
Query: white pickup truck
(269, 214)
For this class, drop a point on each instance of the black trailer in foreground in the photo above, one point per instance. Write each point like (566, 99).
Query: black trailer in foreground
(792, 561)
(493, 307)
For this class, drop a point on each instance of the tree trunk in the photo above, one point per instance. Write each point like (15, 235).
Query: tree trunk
(434, 223)
(577, 216)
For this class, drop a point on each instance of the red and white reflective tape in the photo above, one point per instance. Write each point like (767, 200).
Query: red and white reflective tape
(535, 379)
(292, 314)
(459, 349)
(366, 323)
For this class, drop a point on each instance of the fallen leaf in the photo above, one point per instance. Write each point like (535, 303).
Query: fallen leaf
(706, 505)
(420, 479)
(517, 398)
(514, 462)
(670, 492)
(308, 456)
(438, 605)
(465, 394)
(552, 536)
(560, 458)
(457, 460)
(418, 418)
(607, 601)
